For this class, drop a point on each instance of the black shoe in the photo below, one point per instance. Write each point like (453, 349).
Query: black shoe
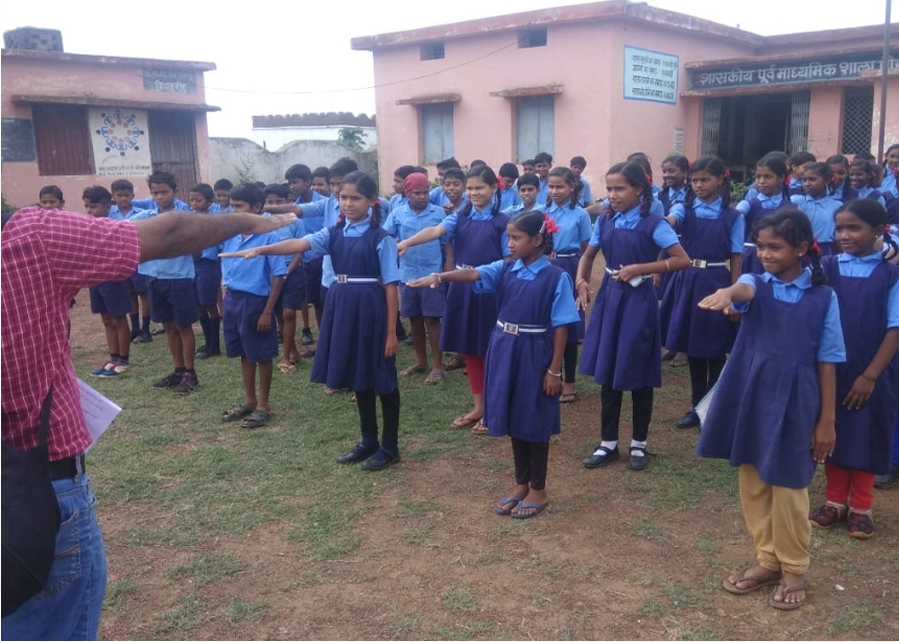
(689, 420)
(601, 456)
(142, 338)
(307, 339)
(202, 353)
(171, 380)
(357, 454)
(638, 459)
(381, 460)
(882, 481)
(188, 383)
(408, 341)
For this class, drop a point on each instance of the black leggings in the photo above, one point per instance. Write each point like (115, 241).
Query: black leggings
(531, 458)
(611, 412)
(703, 375)
(368, 419)
(569, 361)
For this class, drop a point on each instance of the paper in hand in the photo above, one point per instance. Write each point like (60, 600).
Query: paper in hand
(99, 412)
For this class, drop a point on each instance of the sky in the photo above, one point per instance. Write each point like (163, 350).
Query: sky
(276, 57)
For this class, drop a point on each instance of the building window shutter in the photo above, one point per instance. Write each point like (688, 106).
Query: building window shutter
(62, 140)
(536, 122)
(436, 132)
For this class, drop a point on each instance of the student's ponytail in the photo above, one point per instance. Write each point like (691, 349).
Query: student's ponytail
(814, 254)
(466, 210)
(890, 243)
(376, 214)
(576, 194)
(497, 203)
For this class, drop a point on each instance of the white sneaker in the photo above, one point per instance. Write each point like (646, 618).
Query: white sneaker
(121, 368)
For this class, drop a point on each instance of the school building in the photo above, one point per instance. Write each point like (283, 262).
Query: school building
(606, 79)
(77, 120)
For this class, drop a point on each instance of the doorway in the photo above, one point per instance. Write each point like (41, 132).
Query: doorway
(173, 146)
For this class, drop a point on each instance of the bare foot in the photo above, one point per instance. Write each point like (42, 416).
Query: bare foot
(750, 579)
(790, 593)
(532, 504)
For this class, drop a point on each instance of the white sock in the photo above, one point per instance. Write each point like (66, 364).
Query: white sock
(637, 444)
(608, 445)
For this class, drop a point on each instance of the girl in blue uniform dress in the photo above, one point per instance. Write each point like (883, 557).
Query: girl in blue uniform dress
(863, 175)
(712, 235)
(623, 340)
(675, 188)
(569, 243)
(524, 360)
(839, 187)
(868, 383)
(890, 185)
(770, 192)
(773, 410)
(357, 345)
(478, 237)
(818, 205)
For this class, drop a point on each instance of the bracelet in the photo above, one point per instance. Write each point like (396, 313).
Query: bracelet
(437, 274)
(555, 374)
(586, 282)
(667, 267)
(868, 378)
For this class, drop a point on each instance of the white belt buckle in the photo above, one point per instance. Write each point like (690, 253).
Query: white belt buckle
(341, 278)
(510, 328)
(699, 263)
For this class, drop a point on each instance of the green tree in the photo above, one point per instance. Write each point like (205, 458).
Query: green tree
(351, 138)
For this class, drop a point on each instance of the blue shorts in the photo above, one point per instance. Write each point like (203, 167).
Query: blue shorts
(140, 282)
(241, 312)
(112, 298)
(293, 292)
(422, 302)
(208, 280)
(313, 272)
(173, 301)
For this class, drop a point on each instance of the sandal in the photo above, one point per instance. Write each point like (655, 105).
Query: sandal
(455, 363)
(568, 397)
(479, 428)
(464, 421)
(731, 587)
(334, 391)
(678, 361)
(286, 367)
(502, 510)
(782, 604)
(434, 378)
(237, 412)
(414, 369)
(256, 419)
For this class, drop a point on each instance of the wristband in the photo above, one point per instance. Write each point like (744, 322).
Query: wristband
(555, 374)
(667, 267)
(439, 280)
(866, 378)
(585, 281)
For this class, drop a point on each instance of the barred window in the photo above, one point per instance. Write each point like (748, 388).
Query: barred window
(858, 120)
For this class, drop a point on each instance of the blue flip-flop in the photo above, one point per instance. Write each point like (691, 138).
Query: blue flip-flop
(538, 508)
(503, 502)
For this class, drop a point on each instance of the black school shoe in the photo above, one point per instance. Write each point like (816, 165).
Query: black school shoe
(601, 456)
(306, 339)
(638, 460)
(357, 454)
(689, 420)
(381, 460)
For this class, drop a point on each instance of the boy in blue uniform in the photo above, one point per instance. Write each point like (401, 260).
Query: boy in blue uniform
(508, 193)
(437, 195)
(300, 181)
(252, 288)
(173, 297)
(578, 164)
(543, 162)
(222, 190)
(528, 188)
(111, 299)
(320, 184)
(123, 210)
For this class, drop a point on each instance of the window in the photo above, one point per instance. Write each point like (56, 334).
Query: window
(436, 132)
(62, 139)
(528, 38)
(432, 51)
(536, 125)
(858, 120)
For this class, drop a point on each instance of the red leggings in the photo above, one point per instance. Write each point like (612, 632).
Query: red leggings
(475, 366)
(847, 486)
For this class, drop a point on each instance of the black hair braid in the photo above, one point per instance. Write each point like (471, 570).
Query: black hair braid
(497, 203)
(376, 214)
(466, 211)
(549, 201)
(576, 194)
(818, 276)
(645, 202)
(725, 191)
(785, 191)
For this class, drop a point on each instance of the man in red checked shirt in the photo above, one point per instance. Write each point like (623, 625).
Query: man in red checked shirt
(47, 257)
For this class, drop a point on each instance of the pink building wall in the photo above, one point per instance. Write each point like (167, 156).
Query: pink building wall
(76, 79)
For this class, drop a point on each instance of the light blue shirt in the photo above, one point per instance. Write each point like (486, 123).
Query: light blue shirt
(676, 196)
(320, 213)
(215, 208)
(563, 308)
(315, 197)
(795, 183)
(518, 209)
(889, 183)
(509, 198)
(574, 227)
(251, 275)
(397, 200)
(663, 236)
(767, 202)
(821, 213)
(870, 192)
(655, 207)
(586, 195)
(712, 211)
(150, 204)
(450, 222)
(420, 260)
(832, 349)
(543, 192)
(387, 252)
(862, 267)
(116, 214)
(295, 230)
(177, 267)
(437, 196)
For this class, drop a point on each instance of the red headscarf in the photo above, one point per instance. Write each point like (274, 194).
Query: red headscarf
(414, 181)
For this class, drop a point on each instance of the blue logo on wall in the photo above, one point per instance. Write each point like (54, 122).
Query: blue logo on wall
(120, 132)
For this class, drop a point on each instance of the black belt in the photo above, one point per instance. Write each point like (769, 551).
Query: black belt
(66, 468)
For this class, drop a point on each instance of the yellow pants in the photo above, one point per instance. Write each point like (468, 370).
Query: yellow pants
(777, 519)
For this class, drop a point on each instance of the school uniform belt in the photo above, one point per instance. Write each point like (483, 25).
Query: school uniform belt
(702, 264)
(343, 279)
(66, 468)
(464, 267)
(566, 255)
(634, 281)
(520, 328)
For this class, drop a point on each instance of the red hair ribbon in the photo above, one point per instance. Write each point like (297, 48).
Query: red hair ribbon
(649, 178)
(727, 173)
(787, 178)
(815, 248)
(549, 225)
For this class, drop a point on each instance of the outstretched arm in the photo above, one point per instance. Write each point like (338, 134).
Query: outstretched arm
(456, 276)
(721, 300)
(426, 235)
(175, 233)
(290, 246)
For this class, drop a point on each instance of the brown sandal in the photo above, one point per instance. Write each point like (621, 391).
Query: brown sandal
(479, 428)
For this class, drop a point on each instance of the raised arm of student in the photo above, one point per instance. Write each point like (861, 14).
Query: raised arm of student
(428, 234)
(290, 246)
(743, 291)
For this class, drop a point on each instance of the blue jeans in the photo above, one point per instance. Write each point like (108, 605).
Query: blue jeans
(69, 606)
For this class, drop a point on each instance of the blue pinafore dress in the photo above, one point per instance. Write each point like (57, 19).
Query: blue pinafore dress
(514, 401)
(350, 350)
(864, 436)
(469, 318)
(767, 401)
(569, 264)
(623, 340)
(751, 263)
(704, 334)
